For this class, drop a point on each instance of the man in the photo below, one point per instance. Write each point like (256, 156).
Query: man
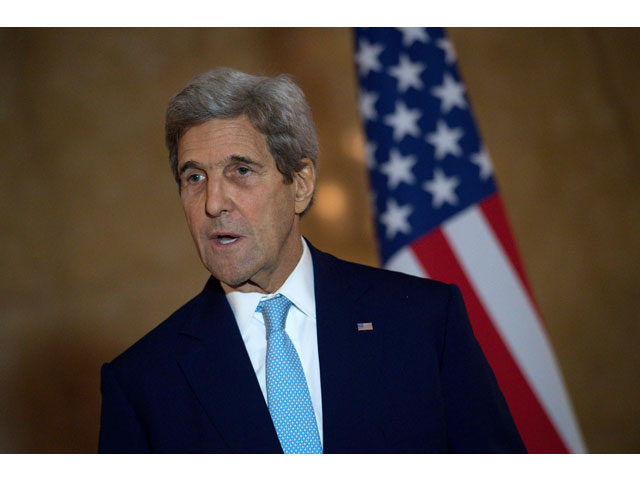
(288, 348)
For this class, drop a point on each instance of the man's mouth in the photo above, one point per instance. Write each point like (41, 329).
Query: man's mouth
(225, 238)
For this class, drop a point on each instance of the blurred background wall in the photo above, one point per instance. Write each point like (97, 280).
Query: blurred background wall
(95, 251)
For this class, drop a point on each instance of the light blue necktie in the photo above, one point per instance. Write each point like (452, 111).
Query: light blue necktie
(287, 392)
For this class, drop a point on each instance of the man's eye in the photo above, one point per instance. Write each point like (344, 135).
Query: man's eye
(195, 178)
(243, 171)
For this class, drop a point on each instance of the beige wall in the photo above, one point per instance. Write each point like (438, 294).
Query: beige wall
(95, 251)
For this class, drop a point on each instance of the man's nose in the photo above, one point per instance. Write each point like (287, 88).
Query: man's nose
(218, 200)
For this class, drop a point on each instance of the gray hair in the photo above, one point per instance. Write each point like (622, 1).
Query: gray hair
(276, 107)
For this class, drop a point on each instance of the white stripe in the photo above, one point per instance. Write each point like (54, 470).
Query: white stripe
(506, 301)
(405, 261)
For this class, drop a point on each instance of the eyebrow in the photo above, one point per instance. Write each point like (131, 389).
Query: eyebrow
(243, 159)
(233, 158)
(190, 164)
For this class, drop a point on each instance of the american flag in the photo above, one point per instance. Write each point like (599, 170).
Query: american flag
(438, 214)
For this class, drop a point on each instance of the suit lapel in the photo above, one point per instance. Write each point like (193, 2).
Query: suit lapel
(349, 359)
(217, 366)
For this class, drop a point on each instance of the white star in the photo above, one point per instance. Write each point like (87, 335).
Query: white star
(442, 189)
(367, 57)
(367, 105)
(370, 155)
(482, 160)
(450, 93)
(398, 169)
(403, 121)
(445, 140)
(449, 53)
(395, 218)
(412, 34)
(407, 73)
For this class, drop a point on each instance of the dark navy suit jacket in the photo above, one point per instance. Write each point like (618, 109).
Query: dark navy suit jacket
(418, 382)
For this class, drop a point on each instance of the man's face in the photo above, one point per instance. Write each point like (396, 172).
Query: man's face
(242, 216)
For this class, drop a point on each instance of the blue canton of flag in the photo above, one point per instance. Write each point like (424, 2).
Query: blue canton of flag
(425, 159)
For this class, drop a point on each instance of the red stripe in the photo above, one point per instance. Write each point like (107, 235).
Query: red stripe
(537, 431)
(493, 212)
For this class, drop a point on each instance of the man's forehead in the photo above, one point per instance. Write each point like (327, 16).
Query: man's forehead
(222, 137)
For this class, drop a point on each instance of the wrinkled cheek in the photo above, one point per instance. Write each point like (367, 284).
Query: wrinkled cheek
(193, 230)
(201, 243)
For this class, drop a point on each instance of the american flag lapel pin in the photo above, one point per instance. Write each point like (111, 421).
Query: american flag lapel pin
(364, 327)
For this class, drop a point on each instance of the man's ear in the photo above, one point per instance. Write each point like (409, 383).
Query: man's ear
(305, 182)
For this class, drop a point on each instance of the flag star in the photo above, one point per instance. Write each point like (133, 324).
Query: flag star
(370, 155)
(482, 160)
(367, 105)
(445, 140)
(407, 73)
(450, 93)
(403, 121)
(395, 218)
(367, 57)
(412, 34)
(442, 189)
(398, 169)
(449, 53)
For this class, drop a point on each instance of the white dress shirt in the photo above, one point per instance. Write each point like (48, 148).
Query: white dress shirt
(300, 326)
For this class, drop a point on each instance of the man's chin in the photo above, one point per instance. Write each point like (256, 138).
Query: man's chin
(231, 280)
(246, 286)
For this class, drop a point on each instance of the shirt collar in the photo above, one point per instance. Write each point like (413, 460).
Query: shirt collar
(298, 287)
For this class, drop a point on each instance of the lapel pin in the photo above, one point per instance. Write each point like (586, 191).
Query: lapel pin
(364, 327)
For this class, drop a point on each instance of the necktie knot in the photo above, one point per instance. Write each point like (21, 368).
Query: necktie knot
(274, 311)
